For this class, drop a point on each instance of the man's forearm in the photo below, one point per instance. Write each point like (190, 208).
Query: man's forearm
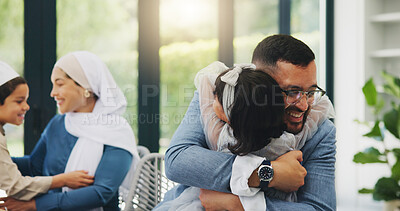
(188, 160)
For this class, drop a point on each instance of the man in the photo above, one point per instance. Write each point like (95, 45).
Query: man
(188, 161)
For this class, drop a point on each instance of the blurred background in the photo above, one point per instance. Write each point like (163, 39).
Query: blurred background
(154, 48)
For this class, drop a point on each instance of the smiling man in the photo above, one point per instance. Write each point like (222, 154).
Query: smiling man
(291, 63)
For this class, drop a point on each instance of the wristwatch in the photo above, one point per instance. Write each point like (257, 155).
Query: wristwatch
(265, 173)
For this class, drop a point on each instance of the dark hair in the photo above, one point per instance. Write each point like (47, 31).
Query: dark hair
(282, 48)
(8, 88)
(257, 111)
(94, 95)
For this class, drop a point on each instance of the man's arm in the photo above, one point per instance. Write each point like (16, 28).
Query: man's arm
(189, 161)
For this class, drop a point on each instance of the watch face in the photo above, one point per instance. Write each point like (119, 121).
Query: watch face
(265, 173)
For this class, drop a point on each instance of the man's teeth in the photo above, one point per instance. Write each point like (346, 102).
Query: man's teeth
(295, 115)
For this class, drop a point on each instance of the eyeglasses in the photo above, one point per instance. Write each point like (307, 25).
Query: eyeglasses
(294, 96)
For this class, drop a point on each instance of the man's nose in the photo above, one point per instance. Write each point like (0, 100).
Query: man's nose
(302, 104)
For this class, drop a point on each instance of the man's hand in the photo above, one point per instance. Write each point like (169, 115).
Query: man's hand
(214, 201)
(289, 174)
(17, 205)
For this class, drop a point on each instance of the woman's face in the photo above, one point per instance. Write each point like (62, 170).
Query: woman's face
(68, 95)
(15, 106)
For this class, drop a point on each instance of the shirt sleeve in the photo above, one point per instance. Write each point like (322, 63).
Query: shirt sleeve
(113, 167)
(189, 161)
(212, 125)
(18, 186)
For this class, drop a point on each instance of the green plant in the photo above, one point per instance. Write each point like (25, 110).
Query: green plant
(386, 188)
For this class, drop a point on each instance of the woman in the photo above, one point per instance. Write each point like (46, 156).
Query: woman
(90, 134)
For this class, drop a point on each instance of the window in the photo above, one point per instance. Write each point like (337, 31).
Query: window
(253, 21)
(307, 19)
(188, 35)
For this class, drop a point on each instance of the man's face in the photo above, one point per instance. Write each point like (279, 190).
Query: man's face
(292, 77)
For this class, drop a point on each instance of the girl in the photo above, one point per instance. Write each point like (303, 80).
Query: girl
(242, 111)
(94, 136)
(14, 93)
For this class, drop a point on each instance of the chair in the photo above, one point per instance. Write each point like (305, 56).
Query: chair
(142, 150)
(149, 183)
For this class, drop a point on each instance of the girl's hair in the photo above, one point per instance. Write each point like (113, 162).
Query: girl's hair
(257, 111)
(8, 88)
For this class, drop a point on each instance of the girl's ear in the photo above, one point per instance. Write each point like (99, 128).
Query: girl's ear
(219, 110)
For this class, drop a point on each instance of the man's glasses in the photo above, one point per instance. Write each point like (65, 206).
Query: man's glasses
(294, 96)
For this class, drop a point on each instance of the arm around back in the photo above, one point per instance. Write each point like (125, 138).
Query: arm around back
(189, 161)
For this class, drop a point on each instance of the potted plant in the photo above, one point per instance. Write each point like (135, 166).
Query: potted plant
(386, 188)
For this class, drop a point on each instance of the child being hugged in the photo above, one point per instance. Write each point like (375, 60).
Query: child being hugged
(14, 93)
(242, 112)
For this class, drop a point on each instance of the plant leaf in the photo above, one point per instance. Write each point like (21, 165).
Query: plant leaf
(365, 191)
(370, 93)
(370, 155)
(391, 120)
(375, 132)
(396, 152)
(392, 85)
(378, 107)
(396, 171)
(386, 189)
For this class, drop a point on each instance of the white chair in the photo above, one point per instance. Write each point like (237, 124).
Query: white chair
(149, 183)
(142, 150)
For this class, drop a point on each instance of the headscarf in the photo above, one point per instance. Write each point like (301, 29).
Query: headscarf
(6, 73)
(104, 125)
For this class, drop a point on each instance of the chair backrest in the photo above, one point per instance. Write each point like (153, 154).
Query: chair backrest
(142, 150)
(149, 183)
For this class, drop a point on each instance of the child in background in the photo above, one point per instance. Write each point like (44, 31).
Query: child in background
(14, 93)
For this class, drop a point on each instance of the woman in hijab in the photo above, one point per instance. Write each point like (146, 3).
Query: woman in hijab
(90, 134)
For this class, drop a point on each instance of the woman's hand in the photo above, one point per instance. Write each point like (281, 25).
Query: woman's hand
(214, 201)
(16, 205)
(74, 180)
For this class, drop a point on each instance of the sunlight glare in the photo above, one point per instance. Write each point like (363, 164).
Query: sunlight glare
(185, 12)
